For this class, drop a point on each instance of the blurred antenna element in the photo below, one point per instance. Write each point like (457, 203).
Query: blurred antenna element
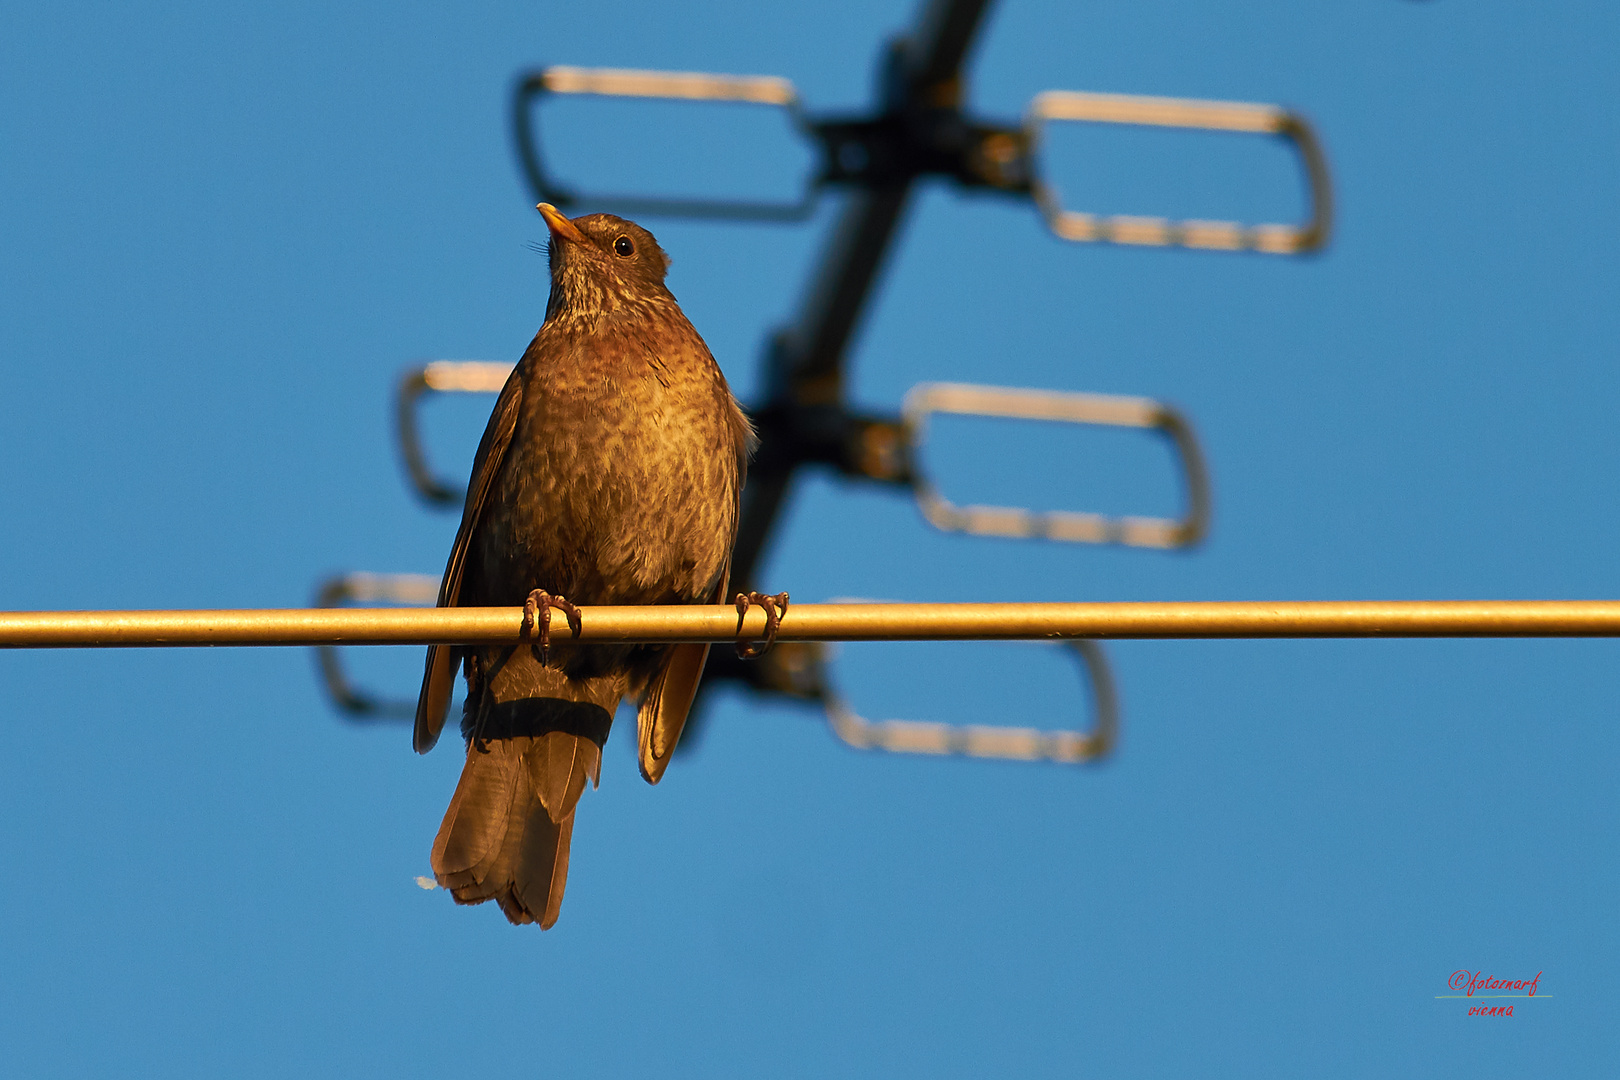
(987, 741)
(414, 590)
(1105, 409)
(440, 377)
(1068, 105)
(758, 90)
(917, 128)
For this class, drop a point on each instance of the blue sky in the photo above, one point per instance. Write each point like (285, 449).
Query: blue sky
(224, 231)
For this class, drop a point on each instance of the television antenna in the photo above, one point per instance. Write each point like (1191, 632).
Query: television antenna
(919, 127)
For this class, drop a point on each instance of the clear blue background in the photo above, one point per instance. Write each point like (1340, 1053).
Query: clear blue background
(224, 230)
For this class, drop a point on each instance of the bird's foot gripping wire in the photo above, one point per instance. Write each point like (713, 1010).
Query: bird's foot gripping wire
(539, 605)
(775, 607)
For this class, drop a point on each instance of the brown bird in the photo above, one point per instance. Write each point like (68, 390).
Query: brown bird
(609, 473)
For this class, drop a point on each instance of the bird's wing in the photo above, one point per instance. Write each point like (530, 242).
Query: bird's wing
(438, 680)
(670, 691)
(669, 697)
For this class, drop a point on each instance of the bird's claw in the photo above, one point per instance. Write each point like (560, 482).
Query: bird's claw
(775, 607)
(538, 607)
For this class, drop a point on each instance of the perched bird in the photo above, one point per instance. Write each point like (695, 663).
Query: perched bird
(610, 473)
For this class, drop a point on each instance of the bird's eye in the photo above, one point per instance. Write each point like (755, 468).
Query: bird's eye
(624, 247)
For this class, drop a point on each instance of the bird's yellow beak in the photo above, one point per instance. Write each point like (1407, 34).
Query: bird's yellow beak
(560, 226)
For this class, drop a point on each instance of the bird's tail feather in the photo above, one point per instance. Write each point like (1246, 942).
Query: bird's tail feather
(506, 834)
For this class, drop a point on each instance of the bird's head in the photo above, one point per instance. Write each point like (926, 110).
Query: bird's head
(600, 263)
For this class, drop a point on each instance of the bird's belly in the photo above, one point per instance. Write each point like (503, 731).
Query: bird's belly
(623, 501)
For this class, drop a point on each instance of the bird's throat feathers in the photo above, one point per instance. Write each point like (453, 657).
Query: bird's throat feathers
(591, 303)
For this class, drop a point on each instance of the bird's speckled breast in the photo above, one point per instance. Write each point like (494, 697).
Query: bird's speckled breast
(621, 478)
